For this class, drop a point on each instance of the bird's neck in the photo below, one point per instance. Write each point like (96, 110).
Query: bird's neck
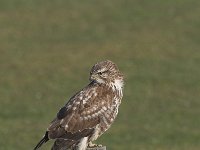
(117, 86)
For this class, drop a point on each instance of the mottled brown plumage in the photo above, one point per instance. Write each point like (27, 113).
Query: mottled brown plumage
(90, 112)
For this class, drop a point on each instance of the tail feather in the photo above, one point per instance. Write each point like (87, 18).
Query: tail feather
(42, 141)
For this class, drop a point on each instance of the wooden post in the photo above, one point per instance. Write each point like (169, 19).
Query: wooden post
(97, 148)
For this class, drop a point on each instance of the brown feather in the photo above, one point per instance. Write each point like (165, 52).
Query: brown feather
(91, 111)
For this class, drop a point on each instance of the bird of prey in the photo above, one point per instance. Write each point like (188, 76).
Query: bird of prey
(90, 112)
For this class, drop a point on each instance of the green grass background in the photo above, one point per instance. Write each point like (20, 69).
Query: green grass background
(47, 48)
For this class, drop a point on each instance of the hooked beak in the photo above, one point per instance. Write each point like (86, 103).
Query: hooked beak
(93, 77)
(96, 78)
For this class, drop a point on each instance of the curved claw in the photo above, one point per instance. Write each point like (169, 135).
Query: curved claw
(91, 145)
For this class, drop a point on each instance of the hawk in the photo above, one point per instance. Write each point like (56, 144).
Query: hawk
(90, 112)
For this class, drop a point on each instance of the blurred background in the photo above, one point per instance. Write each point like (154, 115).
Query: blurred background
(48, 47)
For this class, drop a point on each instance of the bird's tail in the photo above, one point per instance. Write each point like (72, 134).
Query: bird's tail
(42, 141)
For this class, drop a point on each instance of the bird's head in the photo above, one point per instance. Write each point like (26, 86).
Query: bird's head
(105, 72)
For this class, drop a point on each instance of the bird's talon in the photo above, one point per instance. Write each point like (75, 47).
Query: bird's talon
(91, 145)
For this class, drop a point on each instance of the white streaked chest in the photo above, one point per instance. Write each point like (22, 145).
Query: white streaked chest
(117, 87)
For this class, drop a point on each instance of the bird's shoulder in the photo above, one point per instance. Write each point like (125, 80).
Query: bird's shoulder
(91, 95)
(82, 111)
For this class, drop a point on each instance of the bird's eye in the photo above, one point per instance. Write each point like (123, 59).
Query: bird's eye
(100, 73)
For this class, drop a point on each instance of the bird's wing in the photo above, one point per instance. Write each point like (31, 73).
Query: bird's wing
(80, 115)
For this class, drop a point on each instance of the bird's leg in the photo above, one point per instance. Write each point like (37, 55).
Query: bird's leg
(90, 144)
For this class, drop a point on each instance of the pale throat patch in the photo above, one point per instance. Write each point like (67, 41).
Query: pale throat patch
(100, 80)
(118, 83)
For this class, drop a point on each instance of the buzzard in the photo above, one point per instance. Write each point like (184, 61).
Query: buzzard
(90, 112)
